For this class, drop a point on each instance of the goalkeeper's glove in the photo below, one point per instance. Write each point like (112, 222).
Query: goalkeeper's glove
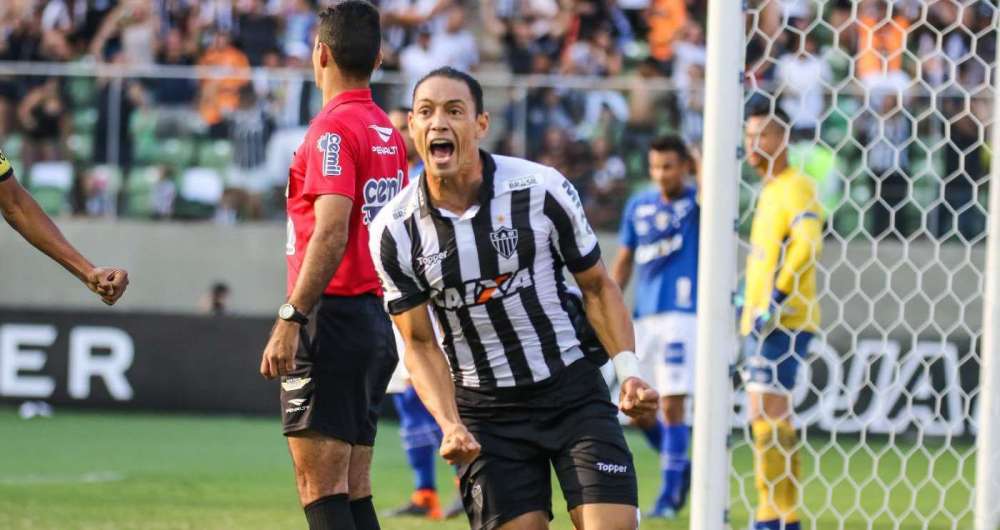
(767, 320)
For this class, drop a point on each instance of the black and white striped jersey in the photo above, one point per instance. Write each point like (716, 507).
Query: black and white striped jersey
(493, 274)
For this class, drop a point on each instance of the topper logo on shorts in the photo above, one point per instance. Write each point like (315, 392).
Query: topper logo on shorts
(614, 469)
(483, 290)
(329, 145)
(378, 192)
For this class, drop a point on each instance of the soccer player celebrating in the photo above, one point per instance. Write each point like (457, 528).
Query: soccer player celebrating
(351, 163)
(780, 312)
(659, 233)
(483, 240)
(23, 214)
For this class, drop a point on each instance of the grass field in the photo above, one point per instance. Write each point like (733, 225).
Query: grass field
(89, 471)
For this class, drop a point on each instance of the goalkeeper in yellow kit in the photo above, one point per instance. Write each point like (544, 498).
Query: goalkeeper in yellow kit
(780, 312)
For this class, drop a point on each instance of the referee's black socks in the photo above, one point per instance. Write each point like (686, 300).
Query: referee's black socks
(364, 514)
(332, 512)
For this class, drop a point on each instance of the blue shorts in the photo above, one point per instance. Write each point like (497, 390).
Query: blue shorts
(773, 365)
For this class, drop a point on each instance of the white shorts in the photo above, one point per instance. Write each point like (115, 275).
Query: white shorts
(665, 345)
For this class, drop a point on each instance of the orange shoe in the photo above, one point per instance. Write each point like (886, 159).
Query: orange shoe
(423, 503)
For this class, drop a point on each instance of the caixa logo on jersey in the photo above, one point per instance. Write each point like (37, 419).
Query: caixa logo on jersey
(483, 290)
(378, 192)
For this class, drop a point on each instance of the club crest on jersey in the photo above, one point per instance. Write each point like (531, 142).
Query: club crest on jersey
(504, 241)
(329, 145)
(483, 290)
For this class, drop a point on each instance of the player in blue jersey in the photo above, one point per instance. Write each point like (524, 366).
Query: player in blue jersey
(659, 240)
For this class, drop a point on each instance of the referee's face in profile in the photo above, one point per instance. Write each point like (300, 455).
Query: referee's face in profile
(445, 127)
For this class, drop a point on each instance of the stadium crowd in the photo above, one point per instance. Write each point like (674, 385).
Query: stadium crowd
(156, 146)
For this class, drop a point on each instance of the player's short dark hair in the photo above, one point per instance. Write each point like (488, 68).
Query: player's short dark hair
(401, 108)
(448, 72)
(671, 143)
(354, 34)
(767, 107)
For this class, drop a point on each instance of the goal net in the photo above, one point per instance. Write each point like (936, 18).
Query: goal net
(890, 105)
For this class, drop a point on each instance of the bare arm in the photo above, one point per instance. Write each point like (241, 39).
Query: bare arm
(324, 251)
(621, 269)
(322, 257)
(606, 311)
(432, 380)
(24, 215)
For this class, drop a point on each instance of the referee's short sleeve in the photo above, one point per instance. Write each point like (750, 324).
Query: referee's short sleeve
(401, 290)
(573, 237)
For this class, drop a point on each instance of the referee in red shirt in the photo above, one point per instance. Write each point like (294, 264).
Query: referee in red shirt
(351, 163)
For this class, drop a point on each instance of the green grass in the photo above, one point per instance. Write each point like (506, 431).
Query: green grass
(89, 471)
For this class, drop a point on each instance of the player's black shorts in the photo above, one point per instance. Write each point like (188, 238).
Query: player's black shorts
(567, 423)
(339, 380)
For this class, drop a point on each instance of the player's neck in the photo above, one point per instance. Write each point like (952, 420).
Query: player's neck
(778, 167)
(457, 193)
(333, 85)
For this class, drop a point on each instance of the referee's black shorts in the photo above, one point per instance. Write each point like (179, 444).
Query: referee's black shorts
(340, 377)
(566, 423)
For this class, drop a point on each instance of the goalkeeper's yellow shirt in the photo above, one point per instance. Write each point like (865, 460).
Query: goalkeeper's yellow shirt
(786, 239)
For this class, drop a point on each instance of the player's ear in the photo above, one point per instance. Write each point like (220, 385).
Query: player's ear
(482, 125)
(378, 60)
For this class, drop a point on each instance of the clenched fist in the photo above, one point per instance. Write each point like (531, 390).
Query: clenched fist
(637, 398)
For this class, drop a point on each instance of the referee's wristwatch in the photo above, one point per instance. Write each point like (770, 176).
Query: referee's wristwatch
(289, 313)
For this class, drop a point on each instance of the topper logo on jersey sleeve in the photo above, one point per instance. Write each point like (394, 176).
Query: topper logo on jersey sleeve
(329, 145)
(377, 193)
(483, 290)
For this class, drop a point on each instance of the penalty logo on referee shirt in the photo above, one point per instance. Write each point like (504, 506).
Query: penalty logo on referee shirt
(504, 241)
(329, 145)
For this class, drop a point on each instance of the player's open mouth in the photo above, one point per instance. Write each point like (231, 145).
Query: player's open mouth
(442, 150)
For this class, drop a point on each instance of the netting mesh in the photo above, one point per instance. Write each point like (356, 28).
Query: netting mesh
(890, 106)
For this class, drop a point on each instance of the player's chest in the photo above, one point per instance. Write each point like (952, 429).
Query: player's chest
(657, 222)
(484, 258)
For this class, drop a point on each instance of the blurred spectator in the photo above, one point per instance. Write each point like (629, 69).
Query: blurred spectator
(963, 170)
(218, 96)
(643, 104)
(546, 111)
(117, 99)
(216, 300)
(802, 77)
(594, 55)
(689, 50)
(554, 149)
(249, 131)
(417, 60)
(174, 96)
(100, 189)
(164, 195)
(531, 31)
(606, 196)
(881, 43)
(692, 105)
(665, 20)
(300, 20)
(258, 30)
(45, 123)
(455, 45)
(885, 132)
(135, 27)
(635, 13)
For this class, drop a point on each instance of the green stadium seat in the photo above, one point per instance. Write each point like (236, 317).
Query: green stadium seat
(81, 145)
(175, 152)
(139, 191)
(11, 146)
(84, 120)
(81, 91)
(52, 200)
(215, 154)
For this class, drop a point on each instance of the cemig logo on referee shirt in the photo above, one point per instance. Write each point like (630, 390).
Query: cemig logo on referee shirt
(378, 192)
(329, 145)
(477, 292)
